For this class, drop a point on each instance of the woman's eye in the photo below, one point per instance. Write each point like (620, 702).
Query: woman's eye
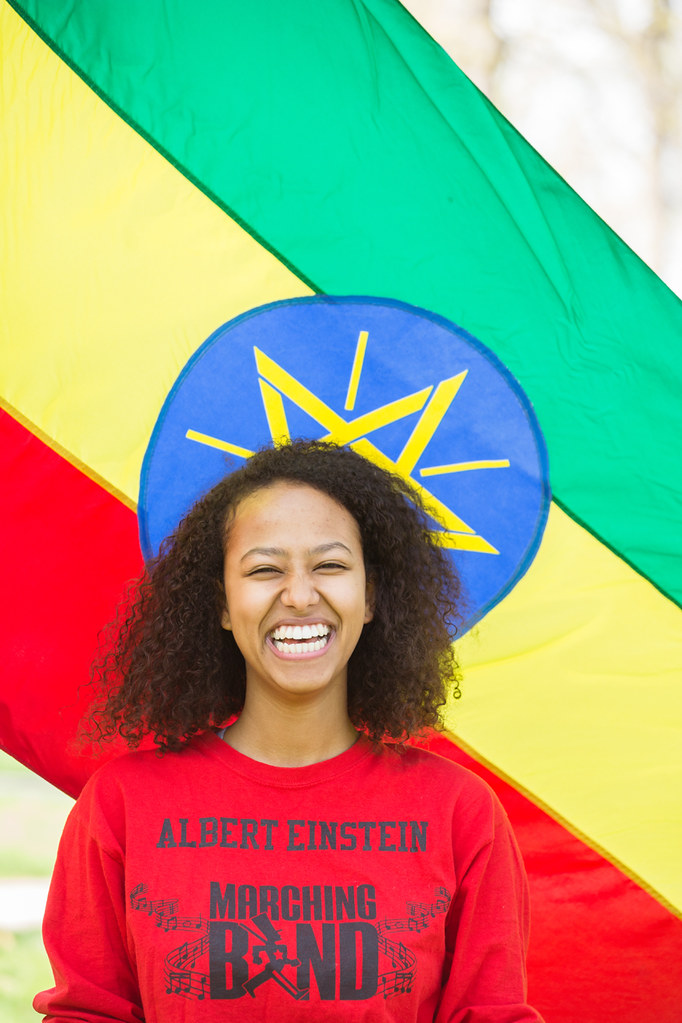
(334, 565)
(264, 570)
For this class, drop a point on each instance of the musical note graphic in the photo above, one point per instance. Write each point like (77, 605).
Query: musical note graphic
(400, 979)
(179, 967)
(137, 897)
(179, 980)
(164, 909)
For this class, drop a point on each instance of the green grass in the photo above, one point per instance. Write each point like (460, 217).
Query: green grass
(32, 815)
(24, 970)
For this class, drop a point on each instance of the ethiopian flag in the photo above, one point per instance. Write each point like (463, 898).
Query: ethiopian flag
(166, 166)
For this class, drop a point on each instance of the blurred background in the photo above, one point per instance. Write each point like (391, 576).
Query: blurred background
(596, 87)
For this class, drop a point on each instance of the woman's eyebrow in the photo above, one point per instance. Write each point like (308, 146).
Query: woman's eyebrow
(280, 552)
(323, 547)
(269, 552)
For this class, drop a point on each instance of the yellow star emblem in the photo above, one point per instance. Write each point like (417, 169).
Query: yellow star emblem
(432, 402)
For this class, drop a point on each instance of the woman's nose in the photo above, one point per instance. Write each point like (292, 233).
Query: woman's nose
(299, 591)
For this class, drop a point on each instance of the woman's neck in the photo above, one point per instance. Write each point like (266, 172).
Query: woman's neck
(291, 737)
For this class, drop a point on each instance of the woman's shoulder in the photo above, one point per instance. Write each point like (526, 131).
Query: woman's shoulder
(142, 769)
(436, 764)
(459, 792)
(126, 787)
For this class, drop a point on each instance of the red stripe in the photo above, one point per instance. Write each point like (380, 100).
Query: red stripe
(602, 950)
(68, 548)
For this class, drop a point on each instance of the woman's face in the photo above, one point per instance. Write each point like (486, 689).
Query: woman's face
(295, 588)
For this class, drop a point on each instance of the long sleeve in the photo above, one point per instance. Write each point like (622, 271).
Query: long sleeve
(487, 930)
(85, 934)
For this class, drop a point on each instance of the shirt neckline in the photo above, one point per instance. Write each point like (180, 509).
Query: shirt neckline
(286, 777)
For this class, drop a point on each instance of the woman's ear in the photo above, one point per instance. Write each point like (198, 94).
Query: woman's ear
(225, 619)
(369, 600)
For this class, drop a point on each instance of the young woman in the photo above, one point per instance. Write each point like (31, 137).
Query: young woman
(281, 860)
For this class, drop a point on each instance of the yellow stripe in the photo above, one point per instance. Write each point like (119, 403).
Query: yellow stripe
(115, 267)
(572, 687)
(69, 456)
(568, 825)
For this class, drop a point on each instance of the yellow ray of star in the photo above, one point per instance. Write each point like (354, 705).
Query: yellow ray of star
(429, 423)
(490, 463)
(356, 371)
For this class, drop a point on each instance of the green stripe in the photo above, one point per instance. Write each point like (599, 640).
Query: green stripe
(345, 138)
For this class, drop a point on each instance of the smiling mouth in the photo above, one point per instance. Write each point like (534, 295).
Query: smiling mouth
(300, 639)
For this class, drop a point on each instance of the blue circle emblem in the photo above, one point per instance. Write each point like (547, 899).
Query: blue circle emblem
(404, 387)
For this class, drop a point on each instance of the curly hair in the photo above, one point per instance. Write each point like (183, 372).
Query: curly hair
(174, 671)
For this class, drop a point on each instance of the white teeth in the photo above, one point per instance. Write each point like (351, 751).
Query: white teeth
(300, 632)
(299, 648)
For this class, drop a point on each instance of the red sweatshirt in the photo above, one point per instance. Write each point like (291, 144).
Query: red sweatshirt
(203, 885)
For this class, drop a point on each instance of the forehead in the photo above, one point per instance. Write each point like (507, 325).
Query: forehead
(292, 513)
